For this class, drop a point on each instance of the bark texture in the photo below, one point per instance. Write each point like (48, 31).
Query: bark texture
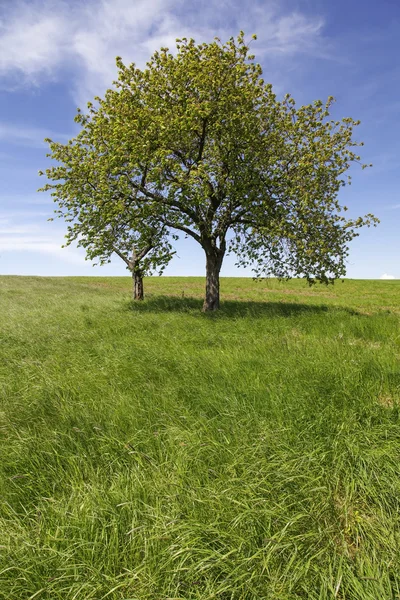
(138, 293)
(213, 267)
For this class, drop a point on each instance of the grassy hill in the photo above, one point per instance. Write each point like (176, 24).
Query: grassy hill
(153, 452)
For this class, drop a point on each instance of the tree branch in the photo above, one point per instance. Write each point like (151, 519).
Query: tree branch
(181, 157)
(202, 141)
(121, 255)
(144, 176)
(186, 230)
(159, 198)
(145, 251)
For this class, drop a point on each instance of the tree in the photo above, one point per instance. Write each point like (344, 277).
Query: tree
(101, 217)
(199, 142)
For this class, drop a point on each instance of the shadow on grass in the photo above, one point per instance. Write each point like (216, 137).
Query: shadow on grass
(230, 308)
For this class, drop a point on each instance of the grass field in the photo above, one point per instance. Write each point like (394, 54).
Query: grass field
(152, 452)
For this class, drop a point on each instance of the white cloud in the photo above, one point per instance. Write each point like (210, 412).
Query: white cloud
(386, 276)
(39, 38)
(32, 39)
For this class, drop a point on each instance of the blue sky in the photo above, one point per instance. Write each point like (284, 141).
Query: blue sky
(56, 55)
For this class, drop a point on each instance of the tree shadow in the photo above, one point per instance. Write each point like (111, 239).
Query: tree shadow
(231, 308)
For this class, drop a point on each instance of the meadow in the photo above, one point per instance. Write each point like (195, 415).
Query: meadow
(153, 452)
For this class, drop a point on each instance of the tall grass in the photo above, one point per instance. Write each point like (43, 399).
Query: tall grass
(153, 452)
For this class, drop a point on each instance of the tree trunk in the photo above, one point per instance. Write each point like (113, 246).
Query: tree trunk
(213, 267)
(137, 279)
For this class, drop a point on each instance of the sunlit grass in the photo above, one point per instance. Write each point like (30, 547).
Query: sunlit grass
(153, 452)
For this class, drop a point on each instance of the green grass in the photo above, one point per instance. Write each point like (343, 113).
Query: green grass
(153, 452)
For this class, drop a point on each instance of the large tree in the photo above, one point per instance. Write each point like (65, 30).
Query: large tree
(198, 142)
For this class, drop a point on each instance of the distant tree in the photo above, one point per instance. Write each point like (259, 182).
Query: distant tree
(203, 147)
(101, 217)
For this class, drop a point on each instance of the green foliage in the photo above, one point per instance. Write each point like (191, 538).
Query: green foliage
(150, 451)
(199, 144)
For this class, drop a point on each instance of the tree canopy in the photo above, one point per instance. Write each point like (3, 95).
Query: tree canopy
(196, 143)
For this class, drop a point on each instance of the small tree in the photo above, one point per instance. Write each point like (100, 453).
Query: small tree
(102, 217)
(204, 147)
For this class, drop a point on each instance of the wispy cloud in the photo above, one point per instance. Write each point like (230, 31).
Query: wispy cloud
(27, 239)
(7, 229)
(24, 204)
(38, 38)
(386, 276)
(8, 215)
(292, 34)
(28, 136)
(24, 231)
